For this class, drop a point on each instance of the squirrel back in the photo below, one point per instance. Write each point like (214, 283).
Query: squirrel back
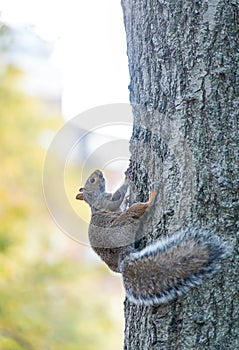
(161, 271)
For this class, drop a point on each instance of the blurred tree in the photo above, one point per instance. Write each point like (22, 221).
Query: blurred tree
(44, 303)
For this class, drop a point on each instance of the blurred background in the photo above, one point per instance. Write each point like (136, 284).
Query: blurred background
(56, 60)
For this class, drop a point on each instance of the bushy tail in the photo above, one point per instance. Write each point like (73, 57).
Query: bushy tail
(169, 267)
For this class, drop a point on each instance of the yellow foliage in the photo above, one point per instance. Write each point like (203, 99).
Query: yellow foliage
(47, 299)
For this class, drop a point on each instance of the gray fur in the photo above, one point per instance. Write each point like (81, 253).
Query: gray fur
(162, 271)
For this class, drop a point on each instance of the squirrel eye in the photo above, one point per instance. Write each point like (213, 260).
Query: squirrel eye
(92, 180)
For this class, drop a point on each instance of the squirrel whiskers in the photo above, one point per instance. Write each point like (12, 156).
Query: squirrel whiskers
(161, 271)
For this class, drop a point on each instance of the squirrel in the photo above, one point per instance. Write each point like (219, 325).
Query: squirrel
(163, 270)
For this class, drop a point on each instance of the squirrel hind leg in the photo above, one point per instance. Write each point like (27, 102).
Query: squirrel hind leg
(140, 208)
(135, 211)
(150, 201)
(152, 196)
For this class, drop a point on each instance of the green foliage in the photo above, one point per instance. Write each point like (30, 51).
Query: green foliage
(47, 299)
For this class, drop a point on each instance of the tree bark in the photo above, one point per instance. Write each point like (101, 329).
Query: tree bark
(184, 90)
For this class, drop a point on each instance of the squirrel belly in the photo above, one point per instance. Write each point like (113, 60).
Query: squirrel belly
(167, 268)
(163, 270)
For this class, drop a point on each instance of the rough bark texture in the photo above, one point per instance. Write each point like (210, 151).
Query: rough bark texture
(184, 89)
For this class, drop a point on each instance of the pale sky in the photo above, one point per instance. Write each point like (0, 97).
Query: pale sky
(90, 47)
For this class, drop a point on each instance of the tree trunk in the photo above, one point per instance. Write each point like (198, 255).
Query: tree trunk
(184, 88)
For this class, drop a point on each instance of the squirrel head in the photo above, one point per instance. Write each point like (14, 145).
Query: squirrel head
(94, 187)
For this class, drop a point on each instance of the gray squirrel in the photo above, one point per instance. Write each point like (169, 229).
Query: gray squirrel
(163, 270)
